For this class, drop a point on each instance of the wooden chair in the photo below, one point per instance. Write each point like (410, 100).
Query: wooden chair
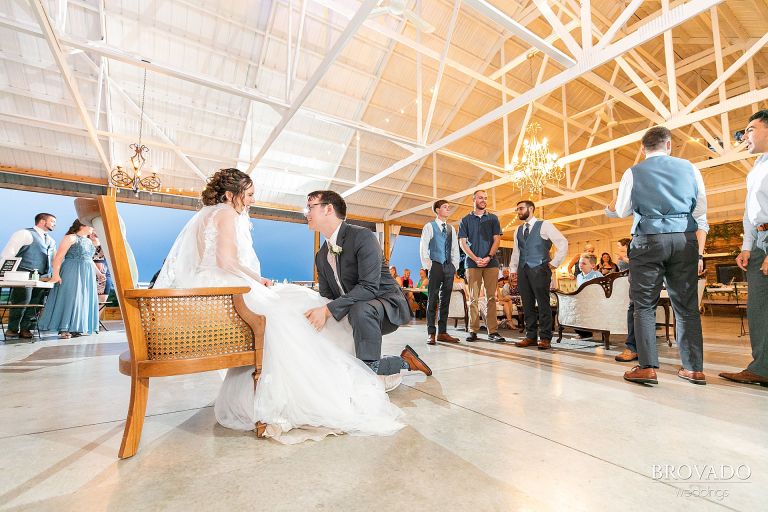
(171, 331)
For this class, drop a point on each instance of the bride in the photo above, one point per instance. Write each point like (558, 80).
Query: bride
(311, 385)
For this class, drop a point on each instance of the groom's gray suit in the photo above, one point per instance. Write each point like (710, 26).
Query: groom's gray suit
(371, 300)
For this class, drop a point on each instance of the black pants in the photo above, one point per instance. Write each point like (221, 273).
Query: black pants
(439, 289)
(533, 283)
(25, 319)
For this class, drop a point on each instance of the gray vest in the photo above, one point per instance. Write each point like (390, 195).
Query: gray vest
(37, 255)
(664, 194)
(440, 244)
(534, 250)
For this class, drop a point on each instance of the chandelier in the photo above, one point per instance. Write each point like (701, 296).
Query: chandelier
(538, 166)
(130, 176)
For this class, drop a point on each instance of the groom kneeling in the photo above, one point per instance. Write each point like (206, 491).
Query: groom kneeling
(352, 274)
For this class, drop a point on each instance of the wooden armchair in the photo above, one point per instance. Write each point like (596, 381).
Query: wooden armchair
(597, 305)
(171, 331)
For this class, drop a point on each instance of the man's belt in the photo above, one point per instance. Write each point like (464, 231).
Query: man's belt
(670, 216)
(763, 227)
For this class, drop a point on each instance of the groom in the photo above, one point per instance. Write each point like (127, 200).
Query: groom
(352, 274)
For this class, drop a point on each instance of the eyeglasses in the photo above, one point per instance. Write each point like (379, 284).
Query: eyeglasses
(309, 207)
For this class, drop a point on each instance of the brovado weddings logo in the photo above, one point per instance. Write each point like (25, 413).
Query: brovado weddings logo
(703, 480)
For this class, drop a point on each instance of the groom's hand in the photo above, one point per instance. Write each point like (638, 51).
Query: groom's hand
(318, 316)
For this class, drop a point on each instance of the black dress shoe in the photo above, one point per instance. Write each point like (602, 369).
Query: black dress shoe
(494, 336)
(472, 337)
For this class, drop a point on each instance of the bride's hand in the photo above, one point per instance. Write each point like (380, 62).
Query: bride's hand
(267, 282)
(318, 316)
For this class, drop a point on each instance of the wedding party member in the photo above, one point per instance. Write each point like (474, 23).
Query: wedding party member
(479, 237)
(354, 278)
(439, 252)
(36, 248)
(73, 306)
(533, 268)
(754, 253)
(667, 198)
(311, 384)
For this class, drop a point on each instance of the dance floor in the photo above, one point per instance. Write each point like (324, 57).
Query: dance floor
(495, 428)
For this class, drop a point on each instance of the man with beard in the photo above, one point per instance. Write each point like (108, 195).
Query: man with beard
(479, 237)
(754, 253)
(531, 263)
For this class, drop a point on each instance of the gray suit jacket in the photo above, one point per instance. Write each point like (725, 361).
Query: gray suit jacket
(363, 274)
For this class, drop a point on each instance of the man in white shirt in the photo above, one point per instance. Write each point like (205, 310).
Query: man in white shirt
(439, 252)
(754, 253)
(531, 263)
(667, 198)
(36, 248)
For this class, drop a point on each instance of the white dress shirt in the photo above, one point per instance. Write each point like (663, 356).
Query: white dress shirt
(756, 204)
(426, 236)
(625, 208)
(548, 232)
(18, 240)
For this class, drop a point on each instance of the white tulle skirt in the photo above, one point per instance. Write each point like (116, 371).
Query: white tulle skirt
(311, 384)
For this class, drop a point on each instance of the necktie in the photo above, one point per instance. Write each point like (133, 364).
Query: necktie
(332, 263)
(443, 228)
(447, 248)
(525, 232)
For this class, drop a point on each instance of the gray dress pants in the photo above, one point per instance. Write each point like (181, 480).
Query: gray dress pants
(757, 304)
(672, 257)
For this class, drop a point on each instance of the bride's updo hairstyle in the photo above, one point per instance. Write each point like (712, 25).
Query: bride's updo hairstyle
(226, 180)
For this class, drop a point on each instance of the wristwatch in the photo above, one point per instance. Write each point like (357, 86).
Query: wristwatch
(701, 256)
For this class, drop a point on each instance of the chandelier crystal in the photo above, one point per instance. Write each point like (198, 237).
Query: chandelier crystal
(538, 166)
(130, 175)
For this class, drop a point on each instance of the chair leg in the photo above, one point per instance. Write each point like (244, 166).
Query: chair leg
(137, 409)
(606, 339)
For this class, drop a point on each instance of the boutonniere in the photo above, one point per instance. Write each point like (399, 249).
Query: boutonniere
(335, 249)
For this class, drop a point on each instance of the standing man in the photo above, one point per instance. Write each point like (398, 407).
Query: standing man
(36, 248)
(533, 268)
(480, 236)
(352, 274)
(754, 253)
(667, 198)
(439, 250)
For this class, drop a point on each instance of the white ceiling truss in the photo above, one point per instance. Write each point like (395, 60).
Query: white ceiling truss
(308, 94)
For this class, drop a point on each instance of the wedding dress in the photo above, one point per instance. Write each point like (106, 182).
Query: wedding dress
(311, 384)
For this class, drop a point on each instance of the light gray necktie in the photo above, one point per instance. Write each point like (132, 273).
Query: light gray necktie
(332, 263)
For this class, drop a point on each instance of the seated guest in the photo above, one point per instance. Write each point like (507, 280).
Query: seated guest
(458, 282)
(573, 265)
(421, 298)
(588, 273)
(406, 281)
(393, 273)
(622, 260)
(505, 299)
(607, 265)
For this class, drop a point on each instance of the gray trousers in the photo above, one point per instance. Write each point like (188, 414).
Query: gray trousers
(369, 322)
(439, 288)
(672, 257)
(25, 319)
(757, 303)
(533, 283)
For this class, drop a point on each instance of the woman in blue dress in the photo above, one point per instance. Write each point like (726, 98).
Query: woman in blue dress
(72, 307)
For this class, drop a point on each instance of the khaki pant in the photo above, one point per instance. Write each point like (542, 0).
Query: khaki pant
(487, 278)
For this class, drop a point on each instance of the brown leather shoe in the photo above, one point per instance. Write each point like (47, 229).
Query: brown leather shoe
(525, 342)
(691, 376)
(11, 334)
(544, 345)
(412, 358)
(26, 334)
(431, 339)
(641, 375)
(746, 377)
(626, 356)
(447, 338)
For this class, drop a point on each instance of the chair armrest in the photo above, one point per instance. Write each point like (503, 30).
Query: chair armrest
(142, 293)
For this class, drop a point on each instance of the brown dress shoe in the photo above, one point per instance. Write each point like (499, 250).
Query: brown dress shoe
(746, 377)
(11, 334)
(414, 363)
(525, 342)
(447, 338)
(641, 375)
(431, 339)
(626, 356)
(26, 334)
(544, 345)
(691, 376)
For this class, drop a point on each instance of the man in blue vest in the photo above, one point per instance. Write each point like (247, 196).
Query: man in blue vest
(439, 250)
(666, 195)
(533, 267)
(36, 247)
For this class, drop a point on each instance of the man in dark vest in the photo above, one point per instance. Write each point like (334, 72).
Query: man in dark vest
(667, 198)
(439, 250)
(531, 263)
(36, 247)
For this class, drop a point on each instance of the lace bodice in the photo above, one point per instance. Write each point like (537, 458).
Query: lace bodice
(81, 249)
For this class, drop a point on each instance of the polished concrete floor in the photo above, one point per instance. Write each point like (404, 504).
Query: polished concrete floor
(495, 428)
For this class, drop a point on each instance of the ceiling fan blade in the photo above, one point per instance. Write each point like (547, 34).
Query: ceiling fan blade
(419, 22)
